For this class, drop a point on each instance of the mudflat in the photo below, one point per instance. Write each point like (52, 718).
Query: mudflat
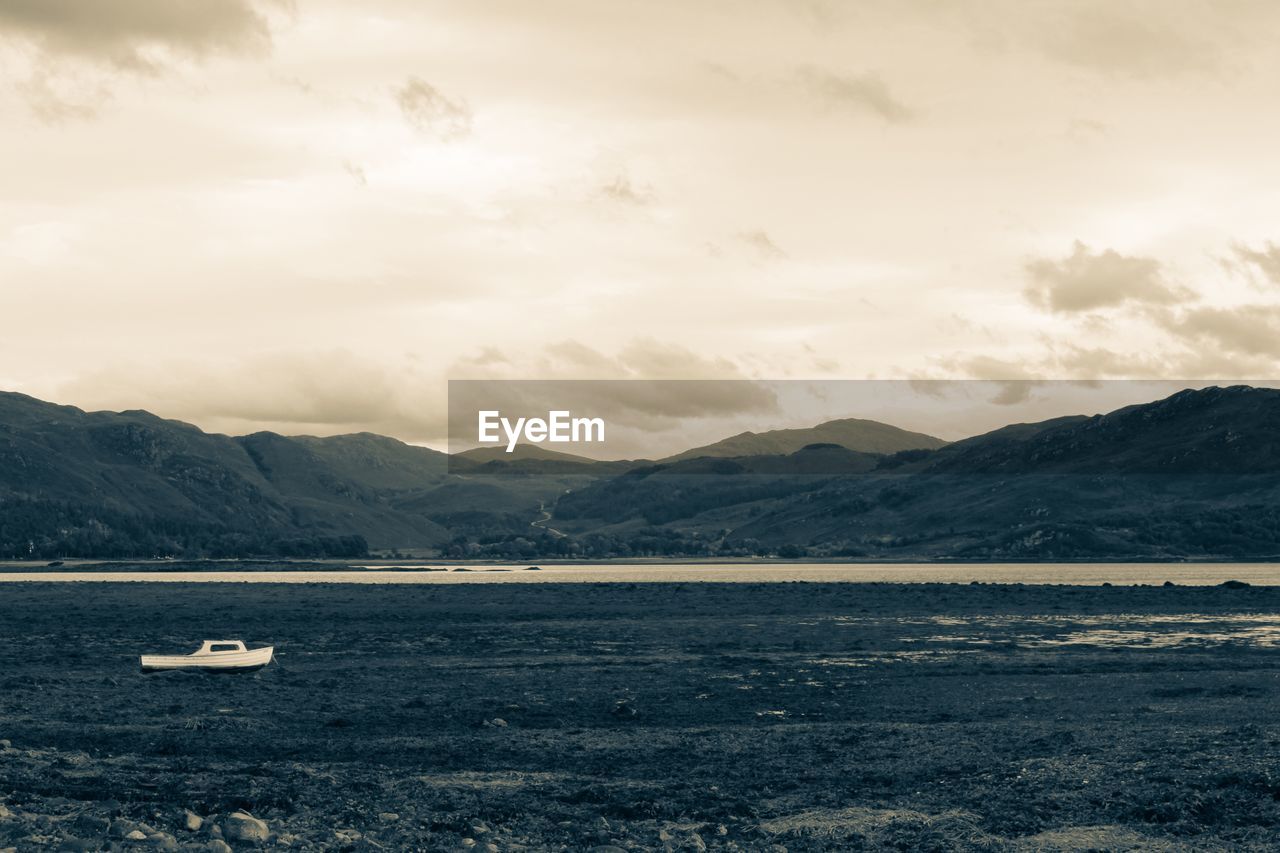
(643, 716)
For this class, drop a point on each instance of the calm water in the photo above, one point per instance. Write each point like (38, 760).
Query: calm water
(1042, 573)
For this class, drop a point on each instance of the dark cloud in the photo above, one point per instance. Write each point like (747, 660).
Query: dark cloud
(77, 46)
(1266, 259)
(429, 111)
(136, 35)
(865, 93)
(1086, 280)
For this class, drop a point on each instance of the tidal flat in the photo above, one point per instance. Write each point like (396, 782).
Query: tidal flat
(744, 716)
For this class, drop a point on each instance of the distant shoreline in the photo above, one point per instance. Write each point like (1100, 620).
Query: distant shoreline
(675, 574)
(432, 564)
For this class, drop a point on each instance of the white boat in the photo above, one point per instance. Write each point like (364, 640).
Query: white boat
(215, 656)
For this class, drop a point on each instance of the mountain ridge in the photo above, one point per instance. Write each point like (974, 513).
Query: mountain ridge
(1193, 475)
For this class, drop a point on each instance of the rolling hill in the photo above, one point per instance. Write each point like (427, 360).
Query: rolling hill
(76, 483)
(1193, 476)
(853, 433)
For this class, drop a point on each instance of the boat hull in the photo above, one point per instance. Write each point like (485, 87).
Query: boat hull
(246, 661)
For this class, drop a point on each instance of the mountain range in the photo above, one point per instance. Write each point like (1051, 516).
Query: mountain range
(1192, 476)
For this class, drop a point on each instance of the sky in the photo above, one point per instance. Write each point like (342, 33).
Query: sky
(309, 216)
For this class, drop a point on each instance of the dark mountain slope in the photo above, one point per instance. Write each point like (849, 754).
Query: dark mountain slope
(665, 492)
(130, 483)
(1234, 430)
(1196, 475)
(351, 482)
(129, 460)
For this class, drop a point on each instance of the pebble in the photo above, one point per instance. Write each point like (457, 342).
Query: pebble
(217, 845)
(120, 828)
(240, 826)
(86, 825)
(388, 817)
(136, 835)
(6, 744)
(163, 841)
(468, 842)
(191, 821)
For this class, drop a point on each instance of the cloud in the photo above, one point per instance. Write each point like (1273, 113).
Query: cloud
(1101, 362)
(1086, 280)
(321, 392)
(621, 189)
(641, 358)
(865, 93)
(429, 111)
(76, 46)
(1084, 129)
(135, 35)
(356, 171)
(1248, 329)
(655, 359)
(1266, 259)
(1137, 39)
(763, 245)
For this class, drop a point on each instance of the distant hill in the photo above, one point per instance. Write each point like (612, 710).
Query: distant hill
(520, 452)
(1232, 430)
(76, 483)
(1193, 476)
(853, 433)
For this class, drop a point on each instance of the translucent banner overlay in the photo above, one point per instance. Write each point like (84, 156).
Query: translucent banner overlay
(564, 425)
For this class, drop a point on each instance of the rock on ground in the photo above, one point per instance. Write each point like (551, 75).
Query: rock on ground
(239, 826)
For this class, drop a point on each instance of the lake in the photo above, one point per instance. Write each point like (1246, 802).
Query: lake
(421, 573)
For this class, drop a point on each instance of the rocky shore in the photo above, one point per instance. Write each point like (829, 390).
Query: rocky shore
(643, 717)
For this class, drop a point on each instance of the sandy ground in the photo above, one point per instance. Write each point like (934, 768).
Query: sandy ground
(643, 716)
